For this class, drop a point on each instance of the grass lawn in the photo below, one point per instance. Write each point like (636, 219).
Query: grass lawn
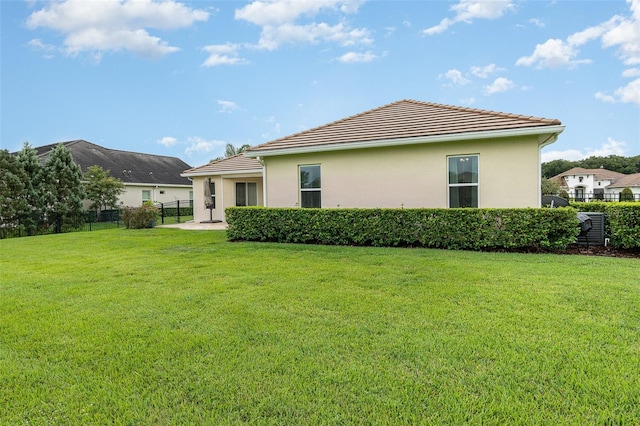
(166, 326)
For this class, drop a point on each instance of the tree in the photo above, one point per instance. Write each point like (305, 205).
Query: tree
(12, 190)
(34, 188)
(231, 150)
(102, 188)
(549, 187)
(64, 193)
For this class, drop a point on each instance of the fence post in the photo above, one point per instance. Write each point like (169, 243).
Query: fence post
(162, 213)
(178, 211)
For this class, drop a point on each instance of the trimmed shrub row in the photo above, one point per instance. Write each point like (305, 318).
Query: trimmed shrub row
(621, 220)
(467, 229)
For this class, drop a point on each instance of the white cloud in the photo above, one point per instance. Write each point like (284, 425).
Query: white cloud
(223, 54)
(114, 25)
(499, 85)
(611, 147)
(168, 141)
(199, 145)
(278, 12)
(553, 53)
(273, 36)
(456, 77)
(468, 10)
(630, 92)
(538, 22)
(468, 101)
(278, 19)
(618, 31)
(486, 71)
(227, 106)
(605, 98)
(626, 94)
(355, 57)
(631, 72)
(48, 49)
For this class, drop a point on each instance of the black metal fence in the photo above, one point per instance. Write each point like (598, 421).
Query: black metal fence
(172, 212)
(176, 211)
(587, 197)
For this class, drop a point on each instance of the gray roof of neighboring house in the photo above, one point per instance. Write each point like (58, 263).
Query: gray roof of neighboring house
(626, 180)
(130, 167)
(236, 164)
(407, 119)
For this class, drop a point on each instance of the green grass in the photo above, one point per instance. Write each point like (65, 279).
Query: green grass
(166, 326)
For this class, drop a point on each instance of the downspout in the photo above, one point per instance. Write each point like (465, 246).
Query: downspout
(264, 182)
(548, 141)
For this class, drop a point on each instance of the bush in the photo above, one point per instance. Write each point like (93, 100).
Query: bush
(145, 216)
(626, 194)
(469, 229)
(624, 223)
(621, 221)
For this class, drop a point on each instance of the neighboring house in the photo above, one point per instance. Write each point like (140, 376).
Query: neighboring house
(145, 176)
(596, 184)
(628, 181)
(405, 154)
(233, 181)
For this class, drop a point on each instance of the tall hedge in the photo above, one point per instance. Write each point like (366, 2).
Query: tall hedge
(469, 229)
(621, 220)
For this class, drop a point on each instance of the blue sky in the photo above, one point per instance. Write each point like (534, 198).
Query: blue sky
(184, 78)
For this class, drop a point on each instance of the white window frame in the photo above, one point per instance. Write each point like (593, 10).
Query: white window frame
(301, 189)
(148, 191)
(460, 185)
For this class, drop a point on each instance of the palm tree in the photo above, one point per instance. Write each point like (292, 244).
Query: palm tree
(231, 150)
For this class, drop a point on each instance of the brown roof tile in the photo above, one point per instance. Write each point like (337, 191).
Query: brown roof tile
(237, 163)
(405, 119)
(626, 180)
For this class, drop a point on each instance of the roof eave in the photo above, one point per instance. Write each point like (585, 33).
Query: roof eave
(551, 131)
(224, 173)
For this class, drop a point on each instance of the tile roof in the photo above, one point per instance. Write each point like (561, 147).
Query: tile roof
(236, 164)
(129, 167)
(601, 174)
(626, 180)
(402, 120)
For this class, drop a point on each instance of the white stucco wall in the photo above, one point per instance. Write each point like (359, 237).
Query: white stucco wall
(132, 196)
(411, 176)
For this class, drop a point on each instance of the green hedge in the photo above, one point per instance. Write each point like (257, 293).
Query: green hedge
(621, 220)
(468, 229)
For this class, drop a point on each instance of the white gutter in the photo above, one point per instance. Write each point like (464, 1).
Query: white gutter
(553, 131)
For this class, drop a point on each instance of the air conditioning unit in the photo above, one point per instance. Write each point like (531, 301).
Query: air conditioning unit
(595, 235)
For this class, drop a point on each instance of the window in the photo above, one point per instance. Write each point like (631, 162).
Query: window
(310, 186)
(212, 190)
(246, 194)
(463, 181)
(146, 195)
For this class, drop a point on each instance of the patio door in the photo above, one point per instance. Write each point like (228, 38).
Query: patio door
(246, 194)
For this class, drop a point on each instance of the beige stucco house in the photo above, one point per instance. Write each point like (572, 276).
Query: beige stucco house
(405, 154)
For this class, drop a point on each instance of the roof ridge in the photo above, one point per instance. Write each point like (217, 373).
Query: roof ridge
(302, 132)
(484, 111)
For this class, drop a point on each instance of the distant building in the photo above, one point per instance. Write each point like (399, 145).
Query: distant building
(145, 176)
(596, 184)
